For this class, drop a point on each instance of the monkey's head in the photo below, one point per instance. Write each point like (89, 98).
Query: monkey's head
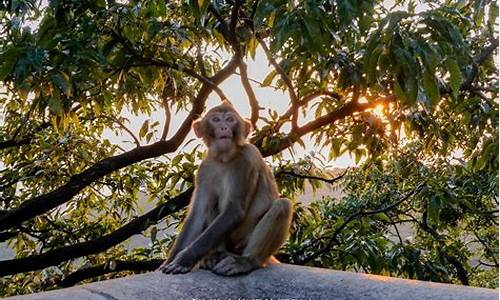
(222, 127)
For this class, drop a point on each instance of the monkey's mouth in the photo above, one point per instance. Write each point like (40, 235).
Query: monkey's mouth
(224, 137)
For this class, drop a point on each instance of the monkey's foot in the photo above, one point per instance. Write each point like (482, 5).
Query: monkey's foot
(210, 261)
(235, 265)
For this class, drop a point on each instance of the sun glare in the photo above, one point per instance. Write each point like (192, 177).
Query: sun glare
(378, 110)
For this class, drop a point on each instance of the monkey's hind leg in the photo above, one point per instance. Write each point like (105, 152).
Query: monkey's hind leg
(267, 237)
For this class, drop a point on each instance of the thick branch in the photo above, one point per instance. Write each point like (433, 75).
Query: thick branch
(19, 142)
(346, 110)
(7, 235)
(103, 269)
(57, 256)
(14, 143)
(462, 273)
(41, 204)
(252, 100)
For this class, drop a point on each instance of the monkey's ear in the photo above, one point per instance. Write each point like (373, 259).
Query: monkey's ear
(247, 128)
(198, 128)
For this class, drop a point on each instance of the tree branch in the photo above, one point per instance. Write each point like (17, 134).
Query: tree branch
(252, 100)
(41, 204)
(291, 173)
(462, 273)
(166, 109)
(115, 266)
(19, 142)
(160, 63)
(57, 256)
(346, 110)
(333, 238)
(291, 90)
(114, 119)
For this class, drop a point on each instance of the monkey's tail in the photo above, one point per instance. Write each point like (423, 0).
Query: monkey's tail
(272, 260)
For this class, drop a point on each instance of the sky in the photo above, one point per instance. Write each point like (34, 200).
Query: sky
(232, 88)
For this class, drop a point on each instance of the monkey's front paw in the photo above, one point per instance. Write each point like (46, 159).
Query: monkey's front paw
(182, 263)
(175, 268)
(235, 265)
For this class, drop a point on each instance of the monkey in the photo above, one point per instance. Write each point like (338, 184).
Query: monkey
(236, 220)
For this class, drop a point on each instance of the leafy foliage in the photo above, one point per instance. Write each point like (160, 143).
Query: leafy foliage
(411, 91)
(449, 217)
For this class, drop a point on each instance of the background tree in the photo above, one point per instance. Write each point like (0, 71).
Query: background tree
(409, 87)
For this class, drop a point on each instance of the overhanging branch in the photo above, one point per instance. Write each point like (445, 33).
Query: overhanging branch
(294, 99)
(41, 204)
(103, 269)
(57, 256)
(252, 99)
(346, 110)
(356, 216)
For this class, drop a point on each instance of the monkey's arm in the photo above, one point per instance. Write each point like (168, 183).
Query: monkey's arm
(195, 222)
(242, 188)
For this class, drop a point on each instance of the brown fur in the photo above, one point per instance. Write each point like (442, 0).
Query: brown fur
(236, 221)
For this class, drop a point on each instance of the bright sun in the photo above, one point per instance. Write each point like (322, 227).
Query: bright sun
(378, 110)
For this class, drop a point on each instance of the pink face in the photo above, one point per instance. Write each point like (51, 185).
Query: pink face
(223, 124)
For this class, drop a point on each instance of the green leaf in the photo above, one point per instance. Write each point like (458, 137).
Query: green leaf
(62, 81)
(371, 63)
(313, 31)
(55, 106)
(431, 87)
(269, 78)
(195, 8)
(161, 8)
(252, 46)
(154, 232)
(433, 209)
(9, 59)
(203, 5)
(199, 9)
(144, 129)
(400, 94)
(492, 16)
(455, 76)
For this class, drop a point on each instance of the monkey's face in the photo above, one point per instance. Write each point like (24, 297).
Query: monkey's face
(222, 129)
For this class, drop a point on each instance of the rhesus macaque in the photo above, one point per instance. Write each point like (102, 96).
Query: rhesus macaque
(236, 220)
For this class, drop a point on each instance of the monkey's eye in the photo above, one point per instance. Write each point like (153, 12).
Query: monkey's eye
(215, 119)
(230, 119)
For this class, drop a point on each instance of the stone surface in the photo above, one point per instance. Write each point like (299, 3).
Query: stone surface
(275, 282)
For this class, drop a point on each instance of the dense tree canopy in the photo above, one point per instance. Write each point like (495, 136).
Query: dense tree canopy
(408, 88)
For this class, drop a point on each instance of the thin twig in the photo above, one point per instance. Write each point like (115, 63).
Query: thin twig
(114, 119)
(291, 90)
(355, 216)
(327, 180)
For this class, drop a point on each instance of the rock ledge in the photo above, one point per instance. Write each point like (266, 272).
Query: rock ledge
(275, 282)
